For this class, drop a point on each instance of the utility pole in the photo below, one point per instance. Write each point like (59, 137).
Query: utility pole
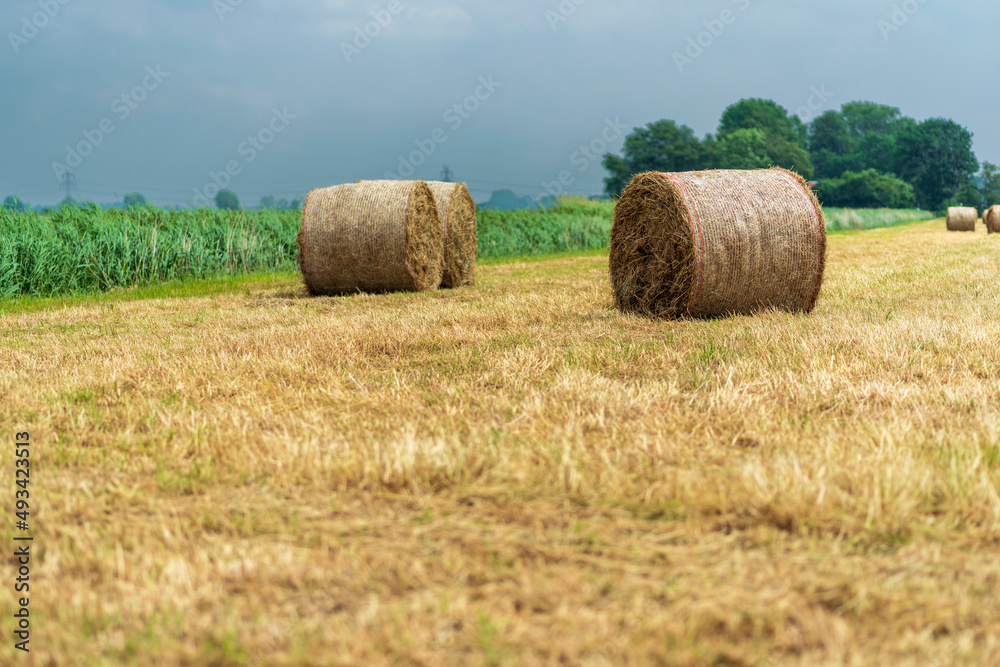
(68, 182)
(446, 174)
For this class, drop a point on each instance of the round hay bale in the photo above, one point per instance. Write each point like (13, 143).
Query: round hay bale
(721, 242)
(992, 219)
(457, 211)
(370, 236)
(961, 219)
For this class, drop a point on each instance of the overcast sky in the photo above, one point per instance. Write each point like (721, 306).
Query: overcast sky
(158, 96)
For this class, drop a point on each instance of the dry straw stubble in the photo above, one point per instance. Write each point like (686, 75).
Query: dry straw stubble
(457, 211)
(961, 219)
(717, 242)
(371, 236)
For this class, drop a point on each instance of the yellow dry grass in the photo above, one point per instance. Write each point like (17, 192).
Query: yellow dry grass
(516, 473)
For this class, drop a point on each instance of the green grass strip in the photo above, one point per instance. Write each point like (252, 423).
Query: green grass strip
(87, 250)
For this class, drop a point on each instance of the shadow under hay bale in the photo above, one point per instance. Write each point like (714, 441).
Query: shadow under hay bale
(458, 223)
(371, 236)
(961, 219)
(720, 242)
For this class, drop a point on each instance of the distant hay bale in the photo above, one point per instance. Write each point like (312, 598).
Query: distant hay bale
(371, 236)
(457, 211)
(992, 219)
(719, 242)
(961, 219)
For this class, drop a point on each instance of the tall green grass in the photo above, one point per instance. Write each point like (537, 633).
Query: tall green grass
(842, 219)
(87, 249)
(573, 225)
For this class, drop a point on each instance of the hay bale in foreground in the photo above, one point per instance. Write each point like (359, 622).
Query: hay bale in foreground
(457, 211)
(961, 219)
(991, 217)
(371, 236)
(719, 242)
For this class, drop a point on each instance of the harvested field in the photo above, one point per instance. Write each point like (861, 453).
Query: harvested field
(516, 473)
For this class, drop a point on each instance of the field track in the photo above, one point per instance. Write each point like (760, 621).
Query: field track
(515, 473)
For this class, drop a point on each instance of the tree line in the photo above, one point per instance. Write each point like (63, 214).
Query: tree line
(864, 155)
(224, 199)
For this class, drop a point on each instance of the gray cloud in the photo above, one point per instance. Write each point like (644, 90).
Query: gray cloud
(560, 81)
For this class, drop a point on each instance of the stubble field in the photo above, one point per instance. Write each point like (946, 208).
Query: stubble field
(515, 473)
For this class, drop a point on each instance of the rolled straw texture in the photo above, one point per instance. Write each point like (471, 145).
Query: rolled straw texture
(992, 219)
(457, 211)
(961, 219)
(371, 236)
(719, 242)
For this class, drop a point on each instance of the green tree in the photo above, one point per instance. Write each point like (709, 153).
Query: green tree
(936, 157)
(828, 132)
(830, 145)
(620, 174)
(660, 146)
(786, 135)
(862, 135)
(866, 189)
(876, 129)
(228, 200)
(875, 151)
(134, 199)
(743, 149)
(866, 118)
(989, 177)
(761, 114)
(267, 202)
(16, 204)
(968, 194)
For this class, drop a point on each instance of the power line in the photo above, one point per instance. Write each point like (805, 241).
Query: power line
(68, 181)
(164, 192)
